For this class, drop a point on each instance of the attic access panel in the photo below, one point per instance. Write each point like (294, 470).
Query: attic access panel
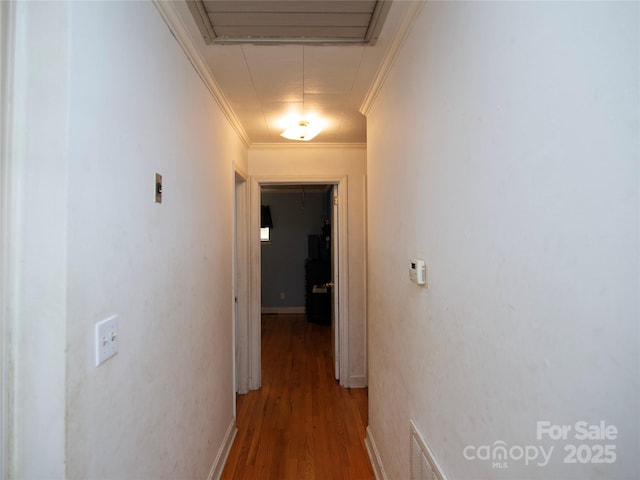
(290, 21)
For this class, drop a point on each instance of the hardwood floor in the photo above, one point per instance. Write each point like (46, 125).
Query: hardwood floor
(301, 424)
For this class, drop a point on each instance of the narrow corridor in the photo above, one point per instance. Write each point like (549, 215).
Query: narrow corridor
(301, 424)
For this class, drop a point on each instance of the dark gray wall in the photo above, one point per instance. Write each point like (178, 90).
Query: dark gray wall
(283, 259)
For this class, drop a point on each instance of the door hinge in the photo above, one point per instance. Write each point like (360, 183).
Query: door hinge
(335, 200)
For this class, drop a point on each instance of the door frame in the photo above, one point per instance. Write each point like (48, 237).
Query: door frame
(8, 259)
(255, 310)
(240, 306)
(335, 279)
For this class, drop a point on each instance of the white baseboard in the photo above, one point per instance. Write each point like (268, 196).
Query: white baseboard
(374, 456)
(283, 310)
(223, 452)
(357, 381)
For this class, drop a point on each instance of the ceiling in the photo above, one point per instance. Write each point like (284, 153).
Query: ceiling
(286, 21)
(274, 80)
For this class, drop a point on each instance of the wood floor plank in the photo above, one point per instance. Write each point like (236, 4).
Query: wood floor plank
(301, 425)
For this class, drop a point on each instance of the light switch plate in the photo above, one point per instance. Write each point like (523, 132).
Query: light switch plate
(158, 190)
(106, 339)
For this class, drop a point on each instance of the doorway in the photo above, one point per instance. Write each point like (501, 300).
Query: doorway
(339, 293)
(298, 255)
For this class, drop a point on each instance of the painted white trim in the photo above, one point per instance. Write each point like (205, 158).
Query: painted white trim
(241, 284)
(7, 221)
(240, 172)
(343, 283)
(365, 280)
(307, 145)
(255, 263)
(223, 452)
(172, 18)
(391, 54)
(282, 310)
(255, 285)
(374, 456)
(357, 381)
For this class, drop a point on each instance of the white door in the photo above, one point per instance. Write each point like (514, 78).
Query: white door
(335, 278)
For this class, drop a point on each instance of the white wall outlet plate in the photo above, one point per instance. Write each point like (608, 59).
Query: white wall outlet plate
(106, 339)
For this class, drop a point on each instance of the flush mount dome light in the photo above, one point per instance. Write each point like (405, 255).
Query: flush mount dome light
(302, 130)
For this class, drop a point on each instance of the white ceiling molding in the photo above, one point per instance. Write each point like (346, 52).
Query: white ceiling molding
(181, 33)
(255, 146)
(390, 55)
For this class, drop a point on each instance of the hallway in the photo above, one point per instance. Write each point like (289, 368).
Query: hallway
(300, 424)
(497, 142)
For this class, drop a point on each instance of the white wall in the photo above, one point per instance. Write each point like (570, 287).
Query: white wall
(300, 162)
(123, 103)
(503, 149)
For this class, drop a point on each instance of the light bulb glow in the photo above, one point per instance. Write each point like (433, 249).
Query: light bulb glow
(303, 130)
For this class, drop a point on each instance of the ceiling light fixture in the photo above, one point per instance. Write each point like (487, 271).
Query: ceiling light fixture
(302, 129)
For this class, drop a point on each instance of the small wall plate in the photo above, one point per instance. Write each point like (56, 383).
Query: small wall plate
(158, 187)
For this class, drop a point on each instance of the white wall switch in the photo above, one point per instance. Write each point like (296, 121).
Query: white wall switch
(418, 271)
(106, 339)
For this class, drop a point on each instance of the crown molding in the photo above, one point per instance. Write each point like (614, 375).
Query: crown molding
(255, 146)
(172, 18)
(391, 54)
